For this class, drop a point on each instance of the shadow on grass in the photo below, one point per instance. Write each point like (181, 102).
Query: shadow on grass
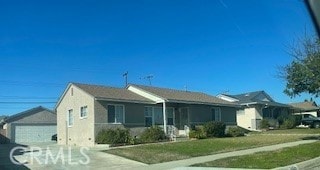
(311, 138)
(5, 161)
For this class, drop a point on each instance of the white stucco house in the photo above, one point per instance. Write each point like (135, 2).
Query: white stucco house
(255, 107)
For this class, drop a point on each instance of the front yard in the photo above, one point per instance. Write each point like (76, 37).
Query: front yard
(268, 160)
(164, 152)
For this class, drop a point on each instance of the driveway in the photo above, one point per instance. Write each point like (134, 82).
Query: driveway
(52, 156)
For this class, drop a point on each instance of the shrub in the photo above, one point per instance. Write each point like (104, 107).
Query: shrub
(113, 136)
(214, 129)
(235, 131)
(153, 134)
(264, 124)
(290, 122)
(198, 133)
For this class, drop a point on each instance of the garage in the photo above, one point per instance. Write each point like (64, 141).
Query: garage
(31, 126)
(34, 133)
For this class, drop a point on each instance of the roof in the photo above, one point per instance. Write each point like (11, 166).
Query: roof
(306, 106)
(180, 96)
(256, 97)
(26, 113)
(111, 93)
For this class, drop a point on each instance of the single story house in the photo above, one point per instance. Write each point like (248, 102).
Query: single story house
(35, 125)
(307, 107)
(83, 110)
(255, 107)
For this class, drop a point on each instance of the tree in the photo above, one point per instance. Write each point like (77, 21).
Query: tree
(303, 73)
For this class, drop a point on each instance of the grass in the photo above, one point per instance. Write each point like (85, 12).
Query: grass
(268, 160)
(157, 153)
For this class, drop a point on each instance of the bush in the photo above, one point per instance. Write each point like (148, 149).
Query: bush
(235, 131)
(264, 124)
(153, 134)
(290, 122)
(214, 129)
(113, 136)
(198, 133)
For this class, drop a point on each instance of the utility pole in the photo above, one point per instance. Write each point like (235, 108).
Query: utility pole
(125, 75)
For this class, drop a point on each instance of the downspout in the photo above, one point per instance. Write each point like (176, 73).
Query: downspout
(164, 118)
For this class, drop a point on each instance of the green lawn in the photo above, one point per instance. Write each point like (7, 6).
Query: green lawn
(268, 160)
(164, 152)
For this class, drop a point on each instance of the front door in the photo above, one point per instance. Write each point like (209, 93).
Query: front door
(184, 118)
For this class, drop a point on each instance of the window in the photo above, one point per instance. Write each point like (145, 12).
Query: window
(169, 116)
(115, 114)
(154, 116)
(216, 114)
(70, 117)
(84, 112)
(148, 116)
(158, 116)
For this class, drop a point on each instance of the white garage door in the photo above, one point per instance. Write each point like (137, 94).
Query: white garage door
(31, 133)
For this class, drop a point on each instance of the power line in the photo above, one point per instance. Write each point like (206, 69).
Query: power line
(26, 97)
(28, 102)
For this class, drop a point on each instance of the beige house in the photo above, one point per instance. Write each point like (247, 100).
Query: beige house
(83, 110)
(255, 107)
(306, 108)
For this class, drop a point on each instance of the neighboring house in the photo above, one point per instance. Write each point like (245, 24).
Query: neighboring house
(306, 108)
(35, 125)
(256, 106)
(83, 110)
(2, 118)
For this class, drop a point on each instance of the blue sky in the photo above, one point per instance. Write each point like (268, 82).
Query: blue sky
(209, 46)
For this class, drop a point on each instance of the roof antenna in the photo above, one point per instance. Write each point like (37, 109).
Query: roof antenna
(125, 75)
(186, 88)
(149, 77)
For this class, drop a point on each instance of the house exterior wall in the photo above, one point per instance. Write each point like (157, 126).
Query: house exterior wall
(199, 114)
(245, 117)
(133, 118)
(314, 113)
(82, 131)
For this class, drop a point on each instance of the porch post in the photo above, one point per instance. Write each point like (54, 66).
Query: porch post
(164, 118)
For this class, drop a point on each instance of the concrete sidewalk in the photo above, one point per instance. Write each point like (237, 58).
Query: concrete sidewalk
(191, 161)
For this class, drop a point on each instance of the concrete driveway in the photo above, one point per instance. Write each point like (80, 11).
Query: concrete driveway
(52, 156)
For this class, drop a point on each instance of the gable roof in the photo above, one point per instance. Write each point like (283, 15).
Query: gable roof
(180, 96)
(255, 98)
(26, 113)
(306, 106)
(111, 93)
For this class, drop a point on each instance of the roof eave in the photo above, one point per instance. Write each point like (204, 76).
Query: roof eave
(123, 100)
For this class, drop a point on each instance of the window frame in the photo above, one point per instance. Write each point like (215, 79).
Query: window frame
(153, 115)
(85, 116)
(115, 115)
(70, 112)
(219, 113)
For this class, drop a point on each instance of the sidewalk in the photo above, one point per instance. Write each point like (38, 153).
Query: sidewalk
(191, 161)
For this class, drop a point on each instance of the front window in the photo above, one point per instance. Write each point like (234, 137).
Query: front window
(158, 116)
(115, 114)
(216, 114)
(154, 116)
(70, 117)
(83, 112)
(148, 116)
(169, 116)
